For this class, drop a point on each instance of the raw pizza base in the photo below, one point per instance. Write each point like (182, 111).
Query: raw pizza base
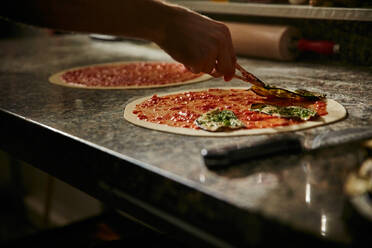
(335, 111)
(57, 78)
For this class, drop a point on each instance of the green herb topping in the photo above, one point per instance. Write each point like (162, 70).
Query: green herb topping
(295, 112)
(218, 120)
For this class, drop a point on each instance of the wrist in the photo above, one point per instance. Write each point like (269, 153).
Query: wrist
(169, 18)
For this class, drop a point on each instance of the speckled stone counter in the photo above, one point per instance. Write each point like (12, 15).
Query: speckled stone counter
(80, 136)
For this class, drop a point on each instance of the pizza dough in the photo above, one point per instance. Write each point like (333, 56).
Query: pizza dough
(335, 112)
(127, 75)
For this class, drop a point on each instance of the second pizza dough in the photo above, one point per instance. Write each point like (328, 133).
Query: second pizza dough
(127, 75)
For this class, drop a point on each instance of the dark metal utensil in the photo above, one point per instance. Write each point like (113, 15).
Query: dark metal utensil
(282, 144)
(248, 77)
(333, 138)
(263, 89)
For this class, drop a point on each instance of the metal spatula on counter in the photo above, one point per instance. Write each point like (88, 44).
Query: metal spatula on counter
(281, 145)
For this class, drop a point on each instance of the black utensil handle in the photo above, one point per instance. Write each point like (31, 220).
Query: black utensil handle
(225, 156)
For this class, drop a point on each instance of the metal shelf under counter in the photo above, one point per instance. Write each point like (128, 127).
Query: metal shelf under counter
(280, 10)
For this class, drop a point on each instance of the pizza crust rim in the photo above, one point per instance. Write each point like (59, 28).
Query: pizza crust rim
(335, 111)
(56, 78)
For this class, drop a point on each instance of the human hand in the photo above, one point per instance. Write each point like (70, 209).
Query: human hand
(200, 43)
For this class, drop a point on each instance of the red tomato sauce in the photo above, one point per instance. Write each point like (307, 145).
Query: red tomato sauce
(131, 74)
(181, 110)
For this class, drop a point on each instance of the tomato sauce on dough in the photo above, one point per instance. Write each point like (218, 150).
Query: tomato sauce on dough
(130, 74)
(181, 110)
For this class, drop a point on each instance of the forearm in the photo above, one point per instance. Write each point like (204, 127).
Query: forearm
(136, 18)
(196, 41)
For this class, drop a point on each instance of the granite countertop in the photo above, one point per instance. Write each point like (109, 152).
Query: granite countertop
(93, 148)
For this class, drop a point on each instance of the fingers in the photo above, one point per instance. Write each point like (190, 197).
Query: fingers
(223, 62)
(226, 58)
(209, 52)
(222, 65)
(229, 57)
(216, 74)
(226, 65)
(194, 69)
(209, 66)
(206, 64)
